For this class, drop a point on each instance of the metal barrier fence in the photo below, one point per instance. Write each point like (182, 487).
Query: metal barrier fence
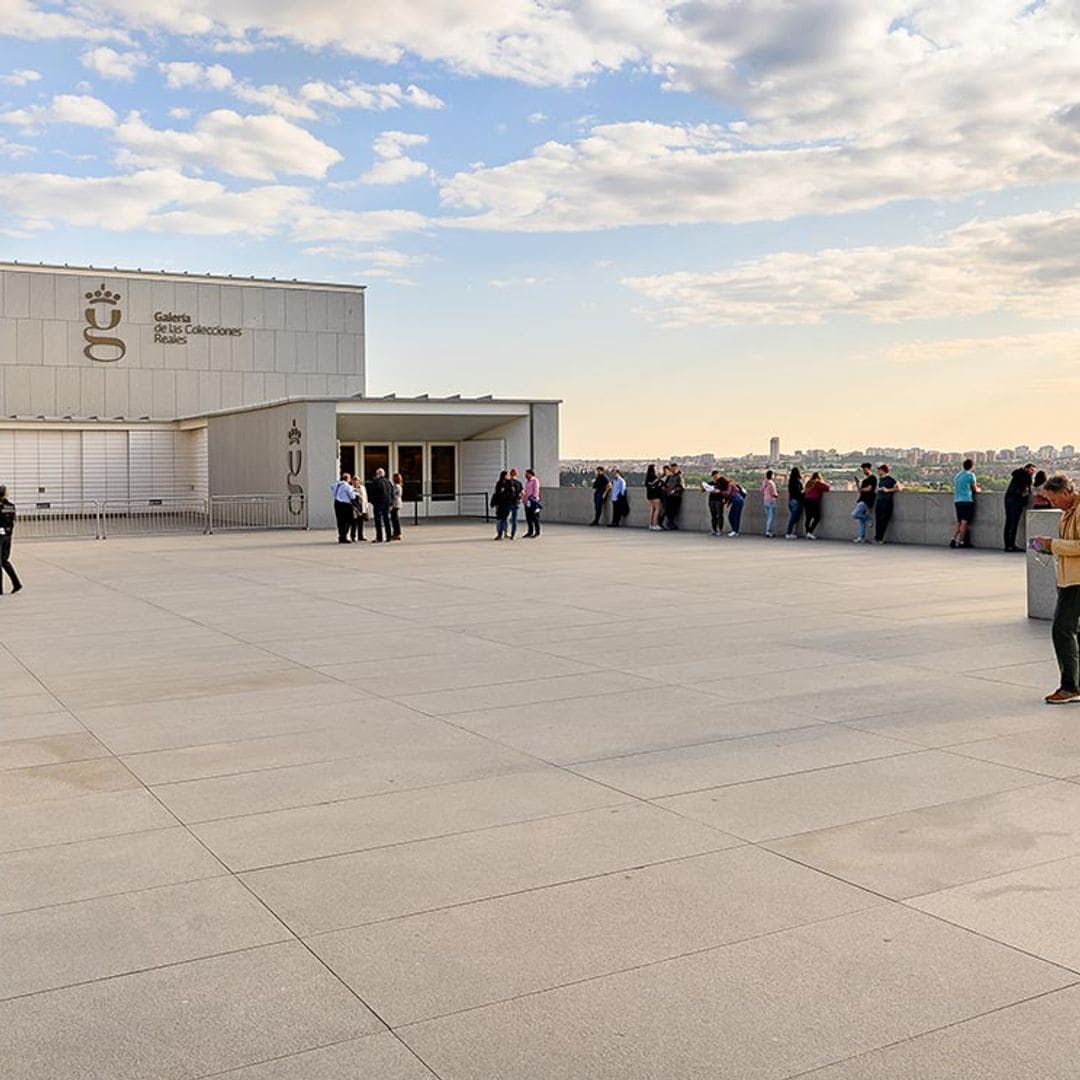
(466, 504)
(100, 519)
(257, 512)
(152, 517)
(49, 521)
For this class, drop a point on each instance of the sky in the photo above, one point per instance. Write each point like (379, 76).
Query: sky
(699, 223)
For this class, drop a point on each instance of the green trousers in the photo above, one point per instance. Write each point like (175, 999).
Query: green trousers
(1066, 634)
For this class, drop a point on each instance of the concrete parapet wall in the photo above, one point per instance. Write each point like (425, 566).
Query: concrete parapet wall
(918, 517)
(1041, 572)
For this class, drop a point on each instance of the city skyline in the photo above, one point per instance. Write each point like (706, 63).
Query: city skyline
(694, 223)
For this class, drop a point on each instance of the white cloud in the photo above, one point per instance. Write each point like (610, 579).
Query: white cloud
(64, 109)
(384, 257)
(165, 200)
(190, 74)
(184, 74)
(110, 64)
(395, 166)
(14, 149)
(1027, 265)
(24, 19)
(179, 112)
(255, 147)
(537, 117)
(20, 77)
(1027, 349)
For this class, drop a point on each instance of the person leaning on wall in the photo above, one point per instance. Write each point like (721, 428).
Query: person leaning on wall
(1061, 494)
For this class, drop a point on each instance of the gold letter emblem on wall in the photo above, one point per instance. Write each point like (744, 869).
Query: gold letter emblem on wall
(98, 347)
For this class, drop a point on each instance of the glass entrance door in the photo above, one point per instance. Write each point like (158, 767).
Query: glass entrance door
(443, 478)
(375, 456)
(410, 463)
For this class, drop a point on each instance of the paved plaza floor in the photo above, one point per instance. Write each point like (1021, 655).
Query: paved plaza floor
(599, 807)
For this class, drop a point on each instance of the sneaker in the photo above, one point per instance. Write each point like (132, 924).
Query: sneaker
(810, 536)
(953, 544)
(1062, 697)
(768, 536)
(790, 536)
(858, 540)
(733, 534)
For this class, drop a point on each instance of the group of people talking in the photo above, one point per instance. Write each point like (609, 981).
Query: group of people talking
(356, 502)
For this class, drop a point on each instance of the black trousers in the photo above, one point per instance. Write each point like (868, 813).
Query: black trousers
(356, 528)
(813, 514)
(672, 506)
(620, 508)
(1066, 636)
(882, 517)
(343, 514)
(1014, 511)
(532, 521)
(382, 521)
(395, 522)
(5, 563)
(716, 514)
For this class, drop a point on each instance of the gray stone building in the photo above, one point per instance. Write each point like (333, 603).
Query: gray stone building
(124, 385)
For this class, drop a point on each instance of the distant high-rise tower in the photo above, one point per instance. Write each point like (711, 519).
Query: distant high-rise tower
(774, 448)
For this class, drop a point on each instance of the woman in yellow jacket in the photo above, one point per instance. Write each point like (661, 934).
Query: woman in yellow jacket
(1062, 495)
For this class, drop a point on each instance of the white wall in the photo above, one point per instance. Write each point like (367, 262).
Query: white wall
(292, 341)
(72, 466)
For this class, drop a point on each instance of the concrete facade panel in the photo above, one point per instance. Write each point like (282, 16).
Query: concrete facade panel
(305, 353)
(67, 391)
(209, 304)
(141, 393)
(92, 391)
(8, 351)
(232, 307)
(273, 309)
(295, 311)
(42, 302)
(54, 342)
(29, 343)
(164, 394)
(43, 391)
(254, 312)
(17, 295)
(117, 393)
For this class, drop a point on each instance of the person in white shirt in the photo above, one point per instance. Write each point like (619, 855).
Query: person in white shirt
(360, 510)
(343, 506)
(769, 496)
(620, 505)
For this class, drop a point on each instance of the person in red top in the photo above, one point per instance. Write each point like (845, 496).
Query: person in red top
(812, 503)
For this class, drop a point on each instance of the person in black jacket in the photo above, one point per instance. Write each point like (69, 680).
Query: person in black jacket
(502, 499)
(7, 527)
(1017, 495)
(795, 492)
(381, 497)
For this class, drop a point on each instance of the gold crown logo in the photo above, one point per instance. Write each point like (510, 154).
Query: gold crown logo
(103, 296)
(294, 434)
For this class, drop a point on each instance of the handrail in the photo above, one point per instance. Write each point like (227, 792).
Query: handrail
(441, 500)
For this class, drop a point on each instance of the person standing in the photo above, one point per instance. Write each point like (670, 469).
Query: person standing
(1061, 494)
(601, 489)
(887, 487)
(397, 504)
(501, 498)
(381, 497)
(654, 493)
(795, 496)
(864, 507)
(1017, 496)
(620, 504)
(7, 528)
(735, 497)
(518, 490)
(674, 487)
(531, 496)
(812, 503)
(769, 497)
(343, 495)
(360, 511)
(965, 488)
(716, 503)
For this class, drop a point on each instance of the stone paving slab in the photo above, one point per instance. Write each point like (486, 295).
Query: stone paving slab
(374, 1057)
(822, 798)
(335, 828)
(768, 1008)
(438, 963)
(52, 947)
(1034, 1040)
(370, 886)
(927, 850)
(182, 1022)
(65, 872)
